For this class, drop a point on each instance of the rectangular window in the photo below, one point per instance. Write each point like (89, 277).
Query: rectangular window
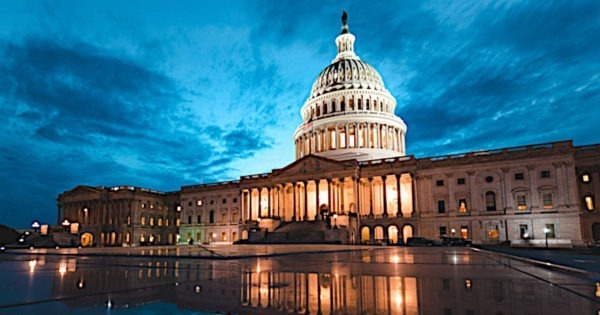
(223, 217)
(589, 202)
(585, 178)
(224, 200)
(151, 221)
(547, 200)
(521, 202)
(464, 231)
(178, 222)
(442, 231)
(545, 174)
(460, 181)
(441, 206)
(439, 183)
(199, 218)
(332, 139)
(190, 219)
(523, 231)
(519, 176)
(493, 233)
(142, 221)
(490, 201)
(462, 205)
(199, 202)
(234, 200)
(549, 230)
(234, 217)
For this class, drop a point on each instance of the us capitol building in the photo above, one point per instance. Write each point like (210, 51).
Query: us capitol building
(352, 183)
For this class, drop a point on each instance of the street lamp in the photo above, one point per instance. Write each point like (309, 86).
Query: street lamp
(335, 221)
(35, 225)
(546, 232)
(66, 224)
(453, 230)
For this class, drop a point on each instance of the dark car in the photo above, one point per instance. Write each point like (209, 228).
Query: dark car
(456, 241)
(418, 241)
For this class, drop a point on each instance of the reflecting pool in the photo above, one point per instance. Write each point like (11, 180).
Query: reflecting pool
(285, 279)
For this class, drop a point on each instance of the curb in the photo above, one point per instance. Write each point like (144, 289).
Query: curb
(544, 264)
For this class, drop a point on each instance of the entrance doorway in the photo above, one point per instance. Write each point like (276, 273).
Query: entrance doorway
(407, 231)
(87, 239)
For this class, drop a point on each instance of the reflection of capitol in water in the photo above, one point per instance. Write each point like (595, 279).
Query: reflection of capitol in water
(372, 283)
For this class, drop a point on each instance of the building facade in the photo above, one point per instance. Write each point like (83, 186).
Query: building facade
(120, 216)
(353, 183)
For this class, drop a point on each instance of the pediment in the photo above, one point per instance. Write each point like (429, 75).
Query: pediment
(81, 190)
(312, 164)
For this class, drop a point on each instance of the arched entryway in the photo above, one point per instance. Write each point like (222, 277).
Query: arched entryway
(378, 234)
(393, 234)
(365, 235)
(407, 231)
(87, 239)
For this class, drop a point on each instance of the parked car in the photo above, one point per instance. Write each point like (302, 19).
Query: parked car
(456, 241)
(418, 241)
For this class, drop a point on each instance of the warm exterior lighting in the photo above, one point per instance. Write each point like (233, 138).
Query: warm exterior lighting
(80, 284)
(197, 289)
(32, 264)
(546, 231)
(65, 224)
(35, 225)
(395, 259)
(62, 270)
(468, 284)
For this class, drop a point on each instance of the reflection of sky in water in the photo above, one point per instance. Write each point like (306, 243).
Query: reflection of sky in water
(386, 280)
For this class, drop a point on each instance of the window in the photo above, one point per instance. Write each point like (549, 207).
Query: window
(545, 174)
(143, 206)
(223, 237)
(234, 236)
(212, 202)
(462, 205)
(442, 231)
(585, 177)
(234, 200)
(492, 233)
(547, 201)
(549, 230)
(178, 222)
(151, 221)
(167, 222)
(198, 202)
(179, 208)
(523, 231)
(190, 204)
(589, 202)
(439, 183)
(234, 217)
(460, 181)
(489, 179)
(441, 206)
(521, 202)
(211, 218)
(519, 176)
(490, 201)
(464, 231)
(190, 219)
(224, 200)
(142, 221)
(223, 217)
(128, 220)
(199, 218)
(151, 206)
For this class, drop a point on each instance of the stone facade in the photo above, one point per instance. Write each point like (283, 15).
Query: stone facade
(120, 216)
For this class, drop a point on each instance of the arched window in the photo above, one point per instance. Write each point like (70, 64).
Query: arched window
(393, 234)
(490, 201)
(365, 234)
(359, 104)
(378, 233)
(212, 216)
(407, 231)
(333, 106)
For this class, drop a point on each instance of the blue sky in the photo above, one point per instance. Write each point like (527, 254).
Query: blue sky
(161, 94)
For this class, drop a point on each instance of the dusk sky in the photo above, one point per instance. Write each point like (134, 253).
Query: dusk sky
(161, 94)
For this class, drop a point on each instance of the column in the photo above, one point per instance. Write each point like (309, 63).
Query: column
(414, 194)
(294, 201)
(317, 197)
(357, 195)
(342, 190)
(329, 197)
(399, 211)
(385, 214)
(305, 200)
(250, 205)
(269, 201)
(371, 197)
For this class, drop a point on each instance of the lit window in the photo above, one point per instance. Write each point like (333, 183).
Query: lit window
(493, 234)
(178, 222)
(332, 139)
(439, 183)
(342, 139)
(464, 232)
(462, 203)
(547, 200)
(521, 202)
(585, 177)
(151, 221)
(142, 238)
(519, 176)
(143, 206)
(460, 181)
(143, 221)
(199, 202)
(166, 222)
(223, 237)
(128, 220)
(160, 222)
(151, 206)
(589, 202)
(234, 217)
(178, 208)
(545, 174)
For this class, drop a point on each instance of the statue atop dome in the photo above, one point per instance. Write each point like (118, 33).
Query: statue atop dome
(344, 22)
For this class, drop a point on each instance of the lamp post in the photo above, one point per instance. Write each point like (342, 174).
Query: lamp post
(335, 221)
(66, 224)
(546, 232)
(35, 225)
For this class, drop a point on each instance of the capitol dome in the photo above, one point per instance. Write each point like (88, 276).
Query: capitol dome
(349, 113)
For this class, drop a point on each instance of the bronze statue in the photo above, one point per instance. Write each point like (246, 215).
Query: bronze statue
(344, 17)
